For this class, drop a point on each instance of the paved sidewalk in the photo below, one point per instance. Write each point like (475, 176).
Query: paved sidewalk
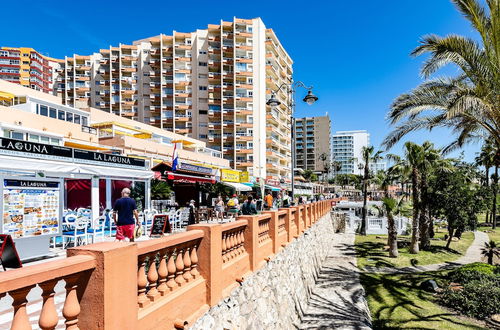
(337, 301)
(473, 254)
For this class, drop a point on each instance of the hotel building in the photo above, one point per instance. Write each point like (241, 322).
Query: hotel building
(27, 67)
(210, 85)
(313, 142)
(347, 149)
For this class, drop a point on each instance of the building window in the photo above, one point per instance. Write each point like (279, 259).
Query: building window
(17, 135)
(203, 112)
(85, 121)
(202, 52)
(60, 115)
(202, 63)
(52, 113)
(203, 136)
(44, 139)
(202, 88)
(69, 117)
(77, 119)
(44, 111)
(33, 138)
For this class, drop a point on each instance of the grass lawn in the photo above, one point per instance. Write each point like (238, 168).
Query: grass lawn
(495, 236)
(396, 302)
(370, 251)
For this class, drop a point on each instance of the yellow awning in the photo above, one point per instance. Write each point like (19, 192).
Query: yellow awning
(84, 146)
(108, 126)
(4, 96)
(184, 142)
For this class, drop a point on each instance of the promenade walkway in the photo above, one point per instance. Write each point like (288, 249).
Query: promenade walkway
(473, 254)
(337, 301)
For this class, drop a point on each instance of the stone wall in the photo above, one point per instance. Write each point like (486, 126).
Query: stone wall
(275, 296)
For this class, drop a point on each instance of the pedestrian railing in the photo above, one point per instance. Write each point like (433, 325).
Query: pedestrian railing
(166, 282)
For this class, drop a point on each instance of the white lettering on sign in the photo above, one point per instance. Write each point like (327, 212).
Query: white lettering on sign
(24, 146)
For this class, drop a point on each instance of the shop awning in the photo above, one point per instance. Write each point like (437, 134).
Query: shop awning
(189, 178)
(237, 186)
(272, 188)
(62, 169)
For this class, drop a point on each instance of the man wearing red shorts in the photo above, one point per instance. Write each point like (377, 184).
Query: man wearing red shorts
(126, 209)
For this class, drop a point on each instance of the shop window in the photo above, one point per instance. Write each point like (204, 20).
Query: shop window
(44, 139)
(54, 141)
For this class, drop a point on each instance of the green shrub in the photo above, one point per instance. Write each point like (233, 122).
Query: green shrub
(479, 298)
(474, 272)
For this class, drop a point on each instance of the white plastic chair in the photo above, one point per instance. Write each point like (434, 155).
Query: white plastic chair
(97, 229)
(75, 230)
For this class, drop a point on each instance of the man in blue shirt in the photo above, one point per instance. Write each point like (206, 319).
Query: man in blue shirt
(126, 209)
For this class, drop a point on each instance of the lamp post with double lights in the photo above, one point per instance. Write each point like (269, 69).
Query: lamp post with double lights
(310, 98)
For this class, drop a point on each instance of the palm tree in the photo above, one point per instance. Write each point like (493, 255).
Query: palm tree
(368, 154)
(468, 103)
(486, 158)
(490, 249)
(391, 206)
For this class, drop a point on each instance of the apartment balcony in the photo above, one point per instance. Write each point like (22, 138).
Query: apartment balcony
(129, 114)
(243, 137)
(244, 150)
(244, 111)
(182, 106)
(182, 130)
(182, 94)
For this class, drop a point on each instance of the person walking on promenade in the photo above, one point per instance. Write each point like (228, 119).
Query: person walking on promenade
(125, 210)
(219, 209)
(192, 212)
(269, 201)
(248, 207)
(233, 206)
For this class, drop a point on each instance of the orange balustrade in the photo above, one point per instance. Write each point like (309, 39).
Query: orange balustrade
(175, 278)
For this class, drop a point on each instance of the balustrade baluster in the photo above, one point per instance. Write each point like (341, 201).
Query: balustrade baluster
(224, 247)
(142, 282)
(152, 278)
(194, 262)
(71, 308)
(171, 271)
(187, 265)
(48, 315)
(162, 273)
(231, 245)
(179, 265)
(20, 320)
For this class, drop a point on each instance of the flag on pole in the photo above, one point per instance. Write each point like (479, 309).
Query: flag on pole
(175, 158)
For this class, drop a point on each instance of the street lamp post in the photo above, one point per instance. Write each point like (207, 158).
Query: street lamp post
(310, 98)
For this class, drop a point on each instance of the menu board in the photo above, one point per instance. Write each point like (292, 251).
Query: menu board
(30, 208)
(160, 225)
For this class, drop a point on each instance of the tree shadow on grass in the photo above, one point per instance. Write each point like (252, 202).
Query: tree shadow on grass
(402, 303)
(374, 253)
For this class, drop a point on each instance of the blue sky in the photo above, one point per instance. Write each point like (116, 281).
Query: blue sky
(355, 53)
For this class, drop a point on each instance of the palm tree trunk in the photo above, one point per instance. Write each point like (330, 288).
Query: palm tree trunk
(495, 190)
(365, 197)
(424, 215)
(414, 248)
(392, 240)
(487, 183)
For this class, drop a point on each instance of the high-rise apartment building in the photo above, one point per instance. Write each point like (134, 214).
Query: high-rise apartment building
(27, 67)
(210, 84)
(347, 150)
(313, 142)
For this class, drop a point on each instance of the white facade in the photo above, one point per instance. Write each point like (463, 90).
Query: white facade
(347, 149)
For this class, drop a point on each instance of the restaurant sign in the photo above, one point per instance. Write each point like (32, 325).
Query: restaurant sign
(85, 156)
(21, 148)
(244, 177)
(194, 168)
(230, 175)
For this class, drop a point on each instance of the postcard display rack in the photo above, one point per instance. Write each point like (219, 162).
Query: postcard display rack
(31, 211)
